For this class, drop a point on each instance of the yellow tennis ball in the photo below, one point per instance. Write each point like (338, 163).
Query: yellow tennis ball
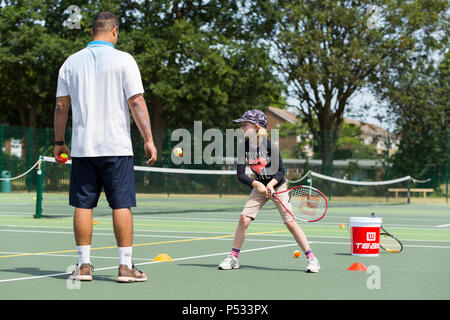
(297, 254)
(95, 221)
(341, 226)
(178, 152)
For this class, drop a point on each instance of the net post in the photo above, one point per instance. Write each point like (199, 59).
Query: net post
(223, 168)
(330, 166)
(2, 128)
(387, 163)
(29, 155)
(221, 182)
(446, 166)
(39, 189)
(309, 180)
(408, 192)
(169, 159)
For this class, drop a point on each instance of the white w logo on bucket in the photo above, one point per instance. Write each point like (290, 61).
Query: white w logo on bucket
(371, 236)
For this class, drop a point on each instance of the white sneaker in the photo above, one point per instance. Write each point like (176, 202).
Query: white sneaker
(313, 265)
(230, 262)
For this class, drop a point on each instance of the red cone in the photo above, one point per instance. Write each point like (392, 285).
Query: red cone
(357, 267)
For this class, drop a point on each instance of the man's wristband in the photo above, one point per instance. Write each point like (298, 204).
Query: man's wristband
(59, 143)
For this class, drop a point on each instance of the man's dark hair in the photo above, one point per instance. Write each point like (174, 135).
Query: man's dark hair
(104, 21)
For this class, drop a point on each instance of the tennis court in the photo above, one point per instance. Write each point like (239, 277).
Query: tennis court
(197, 233)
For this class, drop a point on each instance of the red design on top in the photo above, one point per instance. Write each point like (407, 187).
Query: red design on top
(258, 164)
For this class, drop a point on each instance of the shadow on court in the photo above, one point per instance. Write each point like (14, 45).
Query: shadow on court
(215, 266)
(33, 271)
(29, 271)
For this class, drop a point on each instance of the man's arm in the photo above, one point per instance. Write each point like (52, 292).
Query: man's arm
(60, 122)
(139, 111)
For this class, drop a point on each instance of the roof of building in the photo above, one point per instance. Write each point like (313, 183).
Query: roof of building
(368, 128)
(284, 114)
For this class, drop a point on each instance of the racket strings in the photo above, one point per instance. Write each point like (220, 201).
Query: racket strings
(307, 201)
(390, 244)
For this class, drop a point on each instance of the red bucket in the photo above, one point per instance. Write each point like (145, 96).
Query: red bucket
(365, 236)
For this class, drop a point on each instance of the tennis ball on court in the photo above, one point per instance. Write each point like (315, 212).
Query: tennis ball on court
(341, 226)
(178, 152)
(63, 157)
(297, 253)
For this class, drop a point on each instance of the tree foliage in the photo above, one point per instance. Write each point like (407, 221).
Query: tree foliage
(327, 50)
(196, 62)
(419, 103)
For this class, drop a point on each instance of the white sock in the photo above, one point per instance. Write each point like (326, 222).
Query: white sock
(125, 256)
(84, 254)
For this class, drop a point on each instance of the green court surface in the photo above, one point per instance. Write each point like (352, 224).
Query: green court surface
(197, 232)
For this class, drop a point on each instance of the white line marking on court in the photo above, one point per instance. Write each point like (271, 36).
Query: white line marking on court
(66, 255)
(421, 246)
(144, 263)
(205, 256)
(186, 237)
(136, 235)
(276, 221)
(443, 225)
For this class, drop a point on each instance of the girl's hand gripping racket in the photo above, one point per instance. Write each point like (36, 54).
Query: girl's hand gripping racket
(303, 203)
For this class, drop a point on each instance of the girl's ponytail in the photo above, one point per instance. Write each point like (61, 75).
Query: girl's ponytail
(262, 132)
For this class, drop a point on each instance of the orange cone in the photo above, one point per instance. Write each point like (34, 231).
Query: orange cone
(357, 267)
(162, 257)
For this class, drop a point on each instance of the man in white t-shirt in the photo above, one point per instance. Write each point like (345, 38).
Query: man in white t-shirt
(102, 84)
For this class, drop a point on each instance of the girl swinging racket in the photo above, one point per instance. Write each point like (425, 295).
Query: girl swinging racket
(266, 163)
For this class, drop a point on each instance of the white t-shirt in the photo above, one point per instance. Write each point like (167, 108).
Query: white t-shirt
(100, 80)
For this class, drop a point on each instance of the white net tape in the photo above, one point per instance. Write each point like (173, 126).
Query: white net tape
(167, 170)
(232, 172)
(23, 174)
(358, 183)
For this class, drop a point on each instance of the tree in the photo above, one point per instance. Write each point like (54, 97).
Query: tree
(198, 65)
(28, 57)
(196, 62)
(419, 101)
(34, 42)
(351, 146)
(348, 146)
(300, 131)
(326, 50)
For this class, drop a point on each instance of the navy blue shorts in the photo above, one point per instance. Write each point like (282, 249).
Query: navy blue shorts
(114, 174)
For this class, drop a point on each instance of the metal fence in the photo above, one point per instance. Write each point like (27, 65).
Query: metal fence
(22, 146)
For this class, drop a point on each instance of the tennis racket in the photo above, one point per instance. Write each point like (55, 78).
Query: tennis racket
(388, 242)
(303, 203)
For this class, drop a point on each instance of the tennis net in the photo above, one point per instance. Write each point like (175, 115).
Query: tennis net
(53, 178)
(361, 191)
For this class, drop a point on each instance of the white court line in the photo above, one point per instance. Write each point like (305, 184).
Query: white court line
(205, 256)
(47, 227)
(65, 255)
(443, 225)
(137, 217)
(135, 235)
(186, 237)
(145, 263)
(268, 222)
